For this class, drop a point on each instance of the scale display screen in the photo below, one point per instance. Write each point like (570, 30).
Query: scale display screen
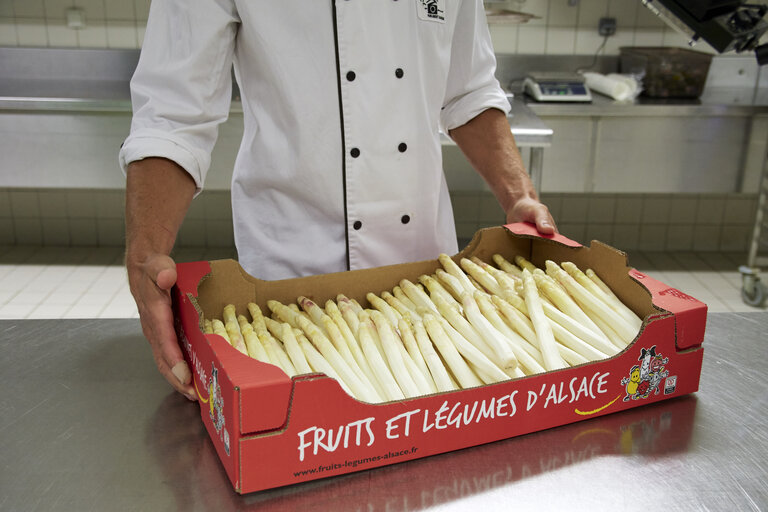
(557, 88)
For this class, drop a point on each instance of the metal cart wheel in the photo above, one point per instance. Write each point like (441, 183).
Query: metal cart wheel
(753, 291)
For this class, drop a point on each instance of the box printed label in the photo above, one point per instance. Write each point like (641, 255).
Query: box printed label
(645, 378)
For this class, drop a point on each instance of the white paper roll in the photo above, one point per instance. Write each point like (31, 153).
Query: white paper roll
(612, 87)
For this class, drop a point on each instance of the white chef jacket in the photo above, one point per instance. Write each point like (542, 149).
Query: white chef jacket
(340, 163)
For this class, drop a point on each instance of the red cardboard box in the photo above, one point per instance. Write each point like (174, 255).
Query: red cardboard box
(270, 430)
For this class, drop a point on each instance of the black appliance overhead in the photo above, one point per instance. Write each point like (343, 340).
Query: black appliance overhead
(726, 25)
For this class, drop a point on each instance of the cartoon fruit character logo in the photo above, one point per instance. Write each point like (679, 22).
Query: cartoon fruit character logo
(645, 378)
(216, 406)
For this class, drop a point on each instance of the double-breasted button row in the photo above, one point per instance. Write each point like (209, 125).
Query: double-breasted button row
(351, 75)
(357, 225)
(355, 152)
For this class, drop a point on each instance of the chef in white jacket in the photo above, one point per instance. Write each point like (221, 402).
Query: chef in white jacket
(340, 162)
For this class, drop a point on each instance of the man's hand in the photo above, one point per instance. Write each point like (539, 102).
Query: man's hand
(151, 281)
(488, 143)
(158, 194)
(530, 210)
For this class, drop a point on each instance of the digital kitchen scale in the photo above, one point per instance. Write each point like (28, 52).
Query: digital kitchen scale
(557, 87)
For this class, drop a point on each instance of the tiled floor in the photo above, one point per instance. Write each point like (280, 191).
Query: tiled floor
(50, 282)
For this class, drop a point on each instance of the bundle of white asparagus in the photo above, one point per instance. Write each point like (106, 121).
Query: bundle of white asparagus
(467, 325)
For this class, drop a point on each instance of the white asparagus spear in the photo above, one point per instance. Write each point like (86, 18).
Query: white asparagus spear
(252, 343)
(486, 280)
(495, 272)
(334, 334)
(360, 390)
(412, 346)
(445, 346)
(394, 357)
(609, 331)
(567, 305)
(442, 380)
(451, 284)
(463, 326)
(435, 288)
(314, 311)
(421, 381)
(218, 328)
(207, 326)
(401, 307)
(417, 295)
(513, 338)
(233, 329)
(524, 263)
(599, 308)
(356, 307)
(522, 325)
(571, 357)
(505, 356)
(391, 388)
(616, 305)
(592, 276)
(453, 269)
(348, 312)
(484, 367)
(354, 346)
(542, 328)
(507, 266)
(380, 304)
(570, 340)
(319, 364)
(599, 341)
(291, 345)
(402, 297)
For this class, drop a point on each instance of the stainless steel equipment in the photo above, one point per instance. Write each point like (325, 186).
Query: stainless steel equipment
(727, 25)
(754, 291)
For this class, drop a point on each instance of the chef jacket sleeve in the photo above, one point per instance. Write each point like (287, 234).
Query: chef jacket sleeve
(471, 84)
(182, 87)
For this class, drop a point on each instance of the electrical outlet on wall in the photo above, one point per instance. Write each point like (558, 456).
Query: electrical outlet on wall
(606, 27)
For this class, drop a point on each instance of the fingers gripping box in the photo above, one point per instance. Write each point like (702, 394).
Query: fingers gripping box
(270, 430)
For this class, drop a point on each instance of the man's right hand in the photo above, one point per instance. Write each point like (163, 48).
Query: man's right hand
(158, 195)
(151, 280)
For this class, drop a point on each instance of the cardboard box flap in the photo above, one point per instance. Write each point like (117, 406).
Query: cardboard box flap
(264, 401)
(690, 314)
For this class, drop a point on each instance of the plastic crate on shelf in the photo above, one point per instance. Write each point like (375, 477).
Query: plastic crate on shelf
(667, 72)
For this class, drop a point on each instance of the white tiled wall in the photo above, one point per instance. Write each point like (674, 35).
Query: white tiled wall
(560, 29)
(651, 222)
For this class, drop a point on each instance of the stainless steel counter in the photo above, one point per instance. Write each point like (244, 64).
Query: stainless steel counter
(88, 424)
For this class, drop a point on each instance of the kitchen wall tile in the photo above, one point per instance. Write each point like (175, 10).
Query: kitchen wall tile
(122, 34)
(217, 205)
(625, 12)
(601, 232)
(736, 238)
(24, 203)
(503, 37)
(28, 231)
(110, 204)
(94, 35)
(538, 8)
(120, 10)
(81, 204)
(8, 35)
(191, 233)
(7, 10)
(574, 231)
(561, 14)
(466, 206)
(196, 209)
(56, 9)
(706, 238)
(532, 40)
(32, 32)
(28, 8)
(682, 210)
(601, 209)
(141, 30)
(53, 204)
(561, 41)
(679, 237)
(573, 208)
(465, 230)
(740, 209)
(648, 37)
(61, 36)
(653, 237)
(490, 209)
(111, 232)
(94, 9)
(553, 203)
(7, 233)
(590, 12)
(710, 210)
(55, 232)
(624, 37)
(219, 233)
(5, 204)
(83, 231)
(141, 8)
(647, 19)
(656, 209)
